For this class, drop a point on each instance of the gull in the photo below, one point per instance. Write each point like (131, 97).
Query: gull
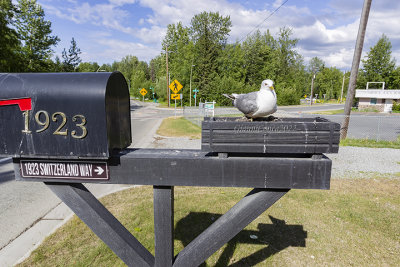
(256, 104)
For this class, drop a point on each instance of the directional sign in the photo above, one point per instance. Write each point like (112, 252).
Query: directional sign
(175, 86)
(143, 91)
(175, 96)
(195, 90)
(64, 170)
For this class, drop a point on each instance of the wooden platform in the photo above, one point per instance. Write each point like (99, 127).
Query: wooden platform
(280, 135)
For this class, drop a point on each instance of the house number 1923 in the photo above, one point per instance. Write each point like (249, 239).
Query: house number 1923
(42, 119)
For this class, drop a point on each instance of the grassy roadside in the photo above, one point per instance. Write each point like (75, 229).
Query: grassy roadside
(179, 127)
(328, 112)
(355, 223)
(371, 143)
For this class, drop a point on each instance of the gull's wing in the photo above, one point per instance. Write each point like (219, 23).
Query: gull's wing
(247, 103)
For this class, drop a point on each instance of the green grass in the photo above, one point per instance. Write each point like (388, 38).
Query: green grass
(371, 143)
(355, 223)
(329, 112)
(179, 127)
(365, 110)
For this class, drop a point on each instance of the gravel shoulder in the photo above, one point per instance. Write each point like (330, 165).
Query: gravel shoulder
(350, 162)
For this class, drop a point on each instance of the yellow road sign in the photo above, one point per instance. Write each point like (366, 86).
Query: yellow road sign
(175, 86)
(175, 96)
(143, 91)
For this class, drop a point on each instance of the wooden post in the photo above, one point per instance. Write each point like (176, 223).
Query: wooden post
(164, 225)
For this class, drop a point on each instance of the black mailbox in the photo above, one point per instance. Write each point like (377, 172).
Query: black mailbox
(64, 115)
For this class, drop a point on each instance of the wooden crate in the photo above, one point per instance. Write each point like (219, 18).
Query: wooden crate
(282, 135)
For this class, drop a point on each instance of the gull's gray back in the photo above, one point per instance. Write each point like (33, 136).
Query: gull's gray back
(247, 103)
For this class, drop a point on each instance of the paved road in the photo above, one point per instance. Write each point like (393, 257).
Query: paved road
(24, 203)
(375, 127)
(312, 108)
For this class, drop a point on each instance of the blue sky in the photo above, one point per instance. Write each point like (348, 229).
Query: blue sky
(107, 30)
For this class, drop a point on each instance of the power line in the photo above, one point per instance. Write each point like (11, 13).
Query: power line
(270, 15)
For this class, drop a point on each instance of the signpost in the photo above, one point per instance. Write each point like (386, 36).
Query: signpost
(143, 92)
(175, 87)
(195, 91)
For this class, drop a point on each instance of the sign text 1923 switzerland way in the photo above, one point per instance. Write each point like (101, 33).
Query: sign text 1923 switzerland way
(64, 170)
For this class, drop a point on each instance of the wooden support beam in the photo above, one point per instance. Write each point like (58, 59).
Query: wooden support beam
(227, 226)
(164, 225)
(103, 223)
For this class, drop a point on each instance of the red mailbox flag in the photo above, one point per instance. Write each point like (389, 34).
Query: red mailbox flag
(23, 103)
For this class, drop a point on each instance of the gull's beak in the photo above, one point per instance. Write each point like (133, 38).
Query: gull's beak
(272, 88)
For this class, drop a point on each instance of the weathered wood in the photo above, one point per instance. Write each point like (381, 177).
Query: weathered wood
(285, 135)
(227, 226)
(171, 167)
(103, 223)
(164, 225)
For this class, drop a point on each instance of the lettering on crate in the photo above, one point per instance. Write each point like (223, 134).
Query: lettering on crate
(264, 129)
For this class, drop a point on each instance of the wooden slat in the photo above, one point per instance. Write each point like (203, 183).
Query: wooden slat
(288, 135)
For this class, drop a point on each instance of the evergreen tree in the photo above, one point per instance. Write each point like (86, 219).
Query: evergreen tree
(71, 59)
(58, 66)
(261, 58)
(35, 33)
(209, 32)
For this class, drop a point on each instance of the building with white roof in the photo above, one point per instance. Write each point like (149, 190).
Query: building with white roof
(378, 99)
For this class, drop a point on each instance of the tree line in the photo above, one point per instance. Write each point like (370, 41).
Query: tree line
(199, 56)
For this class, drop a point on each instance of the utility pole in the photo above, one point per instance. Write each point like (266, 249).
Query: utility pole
(354, 67)
(166, 59)
(341, 94)
(312, 88)
(190, 93)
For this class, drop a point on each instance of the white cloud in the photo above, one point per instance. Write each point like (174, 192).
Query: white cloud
(116, 50)
(328, 33)
(122, 2)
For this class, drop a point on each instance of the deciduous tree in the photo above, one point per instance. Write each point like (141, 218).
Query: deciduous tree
(9, 43)
(378, 64)
(35, 34)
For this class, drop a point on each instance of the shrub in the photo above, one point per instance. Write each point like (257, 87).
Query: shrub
(396, 106)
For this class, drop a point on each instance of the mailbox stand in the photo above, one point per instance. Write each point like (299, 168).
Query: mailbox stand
(65, 129)
(271, 176)
(129, 249)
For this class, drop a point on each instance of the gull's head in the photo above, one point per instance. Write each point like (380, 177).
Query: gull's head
(267, 84)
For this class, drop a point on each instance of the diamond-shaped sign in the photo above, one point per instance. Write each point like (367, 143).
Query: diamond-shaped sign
(175, 86)
(143, 91)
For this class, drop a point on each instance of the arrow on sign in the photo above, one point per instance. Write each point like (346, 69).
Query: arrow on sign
(99, 170)
(175, 96)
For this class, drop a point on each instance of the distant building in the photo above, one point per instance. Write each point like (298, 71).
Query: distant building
(379, 99)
